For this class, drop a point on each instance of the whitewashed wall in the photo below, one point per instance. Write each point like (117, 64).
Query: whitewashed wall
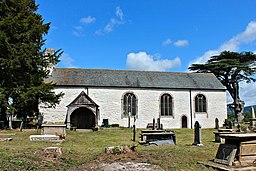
(109, 101)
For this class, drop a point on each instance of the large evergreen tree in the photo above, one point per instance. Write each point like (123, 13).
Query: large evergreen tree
(231, 68)
(23, 62)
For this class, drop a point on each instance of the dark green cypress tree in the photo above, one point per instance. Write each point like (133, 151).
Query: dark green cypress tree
(23, 62)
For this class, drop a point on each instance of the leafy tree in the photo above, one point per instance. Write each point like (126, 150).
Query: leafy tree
(24, 64)
(231, 68)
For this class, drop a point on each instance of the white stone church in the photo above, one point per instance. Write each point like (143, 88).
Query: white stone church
(178, 99)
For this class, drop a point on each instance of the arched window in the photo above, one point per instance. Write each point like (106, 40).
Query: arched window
(200, 103)
(166, 105)
(129, 105)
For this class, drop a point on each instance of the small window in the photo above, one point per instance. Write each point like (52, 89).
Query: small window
(166, 105)
(200, 103)
(129, 105)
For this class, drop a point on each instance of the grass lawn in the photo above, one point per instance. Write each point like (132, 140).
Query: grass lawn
(88, 147)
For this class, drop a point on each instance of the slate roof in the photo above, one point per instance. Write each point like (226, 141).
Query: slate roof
(133, 79)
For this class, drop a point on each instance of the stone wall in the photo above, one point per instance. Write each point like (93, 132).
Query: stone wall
(109, 101)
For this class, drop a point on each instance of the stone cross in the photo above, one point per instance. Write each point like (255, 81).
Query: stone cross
(197, 134)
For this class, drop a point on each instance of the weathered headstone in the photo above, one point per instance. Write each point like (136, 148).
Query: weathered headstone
(158, 123)
(226, 154)
(154, 123)
(197, 134)
(217, 123)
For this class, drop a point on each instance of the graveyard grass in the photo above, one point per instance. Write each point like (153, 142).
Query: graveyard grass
(82, 149)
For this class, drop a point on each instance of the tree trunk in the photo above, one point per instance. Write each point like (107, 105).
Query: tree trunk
(10, 121)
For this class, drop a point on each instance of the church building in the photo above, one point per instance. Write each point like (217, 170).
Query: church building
(120, 96)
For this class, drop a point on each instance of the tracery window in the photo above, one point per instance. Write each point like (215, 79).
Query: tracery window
(166, 105)
(200, 103)
(129, 105)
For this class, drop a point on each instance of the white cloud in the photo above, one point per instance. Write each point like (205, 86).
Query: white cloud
(87, 20)
(233, 44)
(180, 43)
(167, 42)
(119, 13)
(78, 31)
(113, 22)
(247, 91)
(146, 62)
(66, 61)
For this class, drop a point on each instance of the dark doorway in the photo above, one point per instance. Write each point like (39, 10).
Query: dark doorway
(184, 122)
(82, 118)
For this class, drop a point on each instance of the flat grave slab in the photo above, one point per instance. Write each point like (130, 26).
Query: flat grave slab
(45, 137)
(5, 139)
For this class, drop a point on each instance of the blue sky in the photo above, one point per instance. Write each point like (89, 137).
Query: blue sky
(159, 35)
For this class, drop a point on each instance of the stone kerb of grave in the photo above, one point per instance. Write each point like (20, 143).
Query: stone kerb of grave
(119, 149)
(6, 137)
(45, 138)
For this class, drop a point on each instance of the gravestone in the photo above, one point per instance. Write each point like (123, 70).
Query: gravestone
(226, 154)
(154, 123)
(197, 134)
(217, 123)
(158, 123)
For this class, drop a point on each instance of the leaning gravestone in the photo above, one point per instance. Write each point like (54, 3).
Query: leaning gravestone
(197, 134)
(226, 154)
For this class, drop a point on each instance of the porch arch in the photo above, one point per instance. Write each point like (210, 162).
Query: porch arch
(82, 113)
(82, 118)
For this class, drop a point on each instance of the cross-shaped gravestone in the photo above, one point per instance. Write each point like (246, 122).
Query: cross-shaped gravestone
(197, 134)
